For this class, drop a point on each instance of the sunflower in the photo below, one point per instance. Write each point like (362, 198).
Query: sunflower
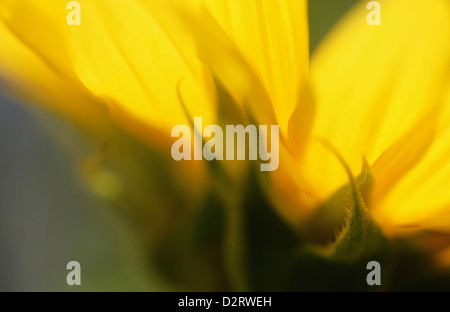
(364, 122)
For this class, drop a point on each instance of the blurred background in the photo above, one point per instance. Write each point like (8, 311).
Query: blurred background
(48, 216)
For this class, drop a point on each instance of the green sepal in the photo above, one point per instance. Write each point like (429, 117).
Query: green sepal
(361, 235)
(342, 264)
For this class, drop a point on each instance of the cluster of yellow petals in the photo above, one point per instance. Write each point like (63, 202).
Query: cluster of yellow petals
(380, 93)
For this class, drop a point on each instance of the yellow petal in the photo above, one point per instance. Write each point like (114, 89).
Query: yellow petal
(218, 51)
(272, 37)
(422, 198)
(21, 69)
(375, 84)
(119, 53)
